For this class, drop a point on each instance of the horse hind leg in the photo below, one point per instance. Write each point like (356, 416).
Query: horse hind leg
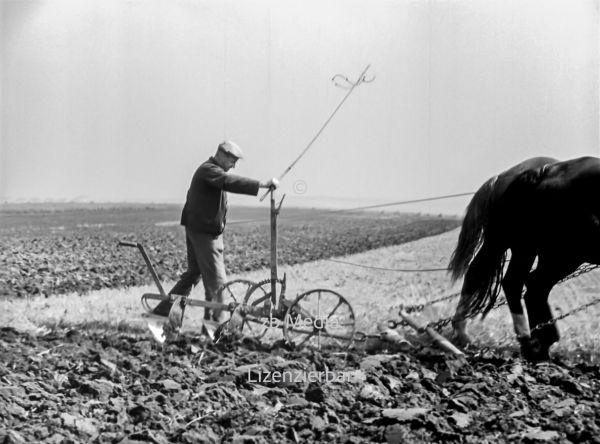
(471, 284)
(459, 320)
(539, 284)
(513, 282)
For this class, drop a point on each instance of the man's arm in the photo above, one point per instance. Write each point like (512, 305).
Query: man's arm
(240, 184)
(216, 177)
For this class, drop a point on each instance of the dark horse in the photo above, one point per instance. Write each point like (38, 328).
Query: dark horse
(539, 208)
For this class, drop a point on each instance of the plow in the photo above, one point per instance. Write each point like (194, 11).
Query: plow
(319, 318)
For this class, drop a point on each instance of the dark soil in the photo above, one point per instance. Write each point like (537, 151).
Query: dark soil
(86, 386)
(55, 252)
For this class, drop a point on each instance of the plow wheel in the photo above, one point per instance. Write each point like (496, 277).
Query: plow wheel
(262, 317)
(320, 319)
(234, 291)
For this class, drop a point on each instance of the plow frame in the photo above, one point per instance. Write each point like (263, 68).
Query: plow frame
(269, 306)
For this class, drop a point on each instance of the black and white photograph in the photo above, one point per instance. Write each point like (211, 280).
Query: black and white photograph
(299, 221)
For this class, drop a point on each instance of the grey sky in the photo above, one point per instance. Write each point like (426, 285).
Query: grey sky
(113, 100)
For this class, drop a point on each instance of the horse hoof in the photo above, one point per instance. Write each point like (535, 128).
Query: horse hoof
(533, 350)
(535, 357)
(461, 340)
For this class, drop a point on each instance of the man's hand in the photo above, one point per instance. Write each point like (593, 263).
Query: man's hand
(271, 183)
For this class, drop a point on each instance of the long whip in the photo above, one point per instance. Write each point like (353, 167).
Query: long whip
(360, 80)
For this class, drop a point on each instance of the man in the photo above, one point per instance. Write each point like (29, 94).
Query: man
(204, 217)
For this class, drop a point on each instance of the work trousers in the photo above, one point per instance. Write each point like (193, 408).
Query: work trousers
(204, 261)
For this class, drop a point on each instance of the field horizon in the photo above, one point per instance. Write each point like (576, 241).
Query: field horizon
(290, 203)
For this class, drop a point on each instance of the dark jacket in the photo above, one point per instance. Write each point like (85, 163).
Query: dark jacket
(205, 208)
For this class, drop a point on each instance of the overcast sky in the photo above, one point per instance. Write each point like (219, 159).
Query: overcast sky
(121, 100)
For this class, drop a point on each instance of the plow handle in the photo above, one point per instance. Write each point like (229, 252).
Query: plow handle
(151, 268)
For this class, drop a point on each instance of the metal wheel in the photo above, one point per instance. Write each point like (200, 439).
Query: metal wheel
(234, 291)
(262, 317)
(321, 319)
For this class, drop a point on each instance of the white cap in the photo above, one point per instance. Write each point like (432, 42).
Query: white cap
(231, 148)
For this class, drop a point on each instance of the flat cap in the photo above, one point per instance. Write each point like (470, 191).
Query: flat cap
(231, 148)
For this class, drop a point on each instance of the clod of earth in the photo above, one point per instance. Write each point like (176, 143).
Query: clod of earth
(93, 386)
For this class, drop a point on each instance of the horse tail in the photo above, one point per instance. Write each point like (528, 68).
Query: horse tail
(484, 277)
(471, 232)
